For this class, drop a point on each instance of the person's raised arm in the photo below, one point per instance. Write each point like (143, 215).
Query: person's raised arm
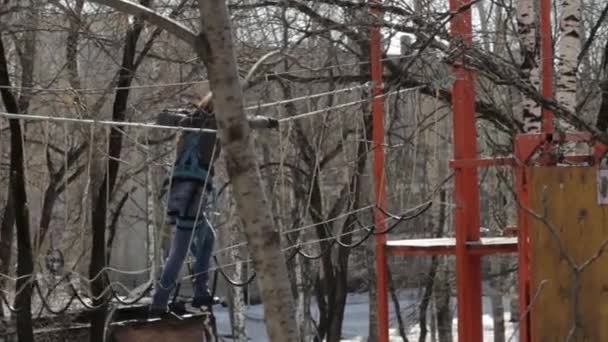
(185, 117)
(260, 121)
(181, 118)
(169, 118)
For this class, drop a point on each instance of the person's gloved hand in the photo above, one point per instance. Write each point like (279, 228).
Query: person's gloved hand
(273, 123)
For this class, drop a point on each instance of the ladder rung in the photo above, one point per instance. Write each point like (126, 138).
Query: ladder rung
(443, 246)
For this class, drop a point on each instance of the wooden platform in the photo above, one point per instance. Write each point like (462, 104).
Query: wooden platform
(567, 197)
(126, 323)
(446, 246)
(189, 329)
(130, 324)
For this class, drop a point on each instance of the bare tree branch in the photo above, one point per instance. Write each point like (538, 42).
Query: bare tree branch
(171, 26)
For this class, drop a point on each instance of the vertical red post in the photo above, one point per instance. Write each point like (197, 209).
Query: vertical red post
(468, 267)
(523, 196)
(379, 176)
(546, 56)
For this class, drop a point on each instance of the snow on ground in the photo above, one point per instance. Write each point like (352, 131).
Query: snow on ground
(356, 322)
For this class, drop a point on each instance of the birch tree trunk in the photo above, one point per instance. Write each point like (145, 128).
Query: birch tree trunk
(373, 290)
(568, 49)
(303, 285)
(215, 47)
(236, 295)
(498, 309)
(527, 26)
(526, 29)
(154, 223)
(238, 300)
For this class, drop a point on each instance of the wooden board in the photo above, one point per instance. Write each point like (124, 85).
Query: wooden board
(567, 198)
(438, 246)
(194, 329)
(131, 323)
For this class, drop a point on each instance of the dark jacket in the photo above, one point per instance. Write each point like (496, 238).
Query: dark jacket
(187, 199)
(192, 117)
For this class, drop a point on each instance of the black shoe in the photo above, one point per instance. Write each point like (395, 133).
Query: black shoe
(156, 312)
(178, 308)
(205, 301)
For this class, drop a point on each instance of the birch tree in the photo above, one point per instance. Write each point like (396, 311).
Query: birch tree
(568, 50)
(527, 32)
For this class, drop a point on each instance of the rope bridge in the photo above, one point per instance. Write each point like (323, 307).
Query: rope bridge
(59, 285)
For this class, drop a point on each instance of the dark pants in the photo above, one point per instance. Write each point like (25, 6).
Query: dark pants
(201, 242)
(187, 199)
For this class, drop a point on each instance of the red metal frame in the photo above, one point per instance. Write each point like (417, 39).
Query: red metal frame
(380, 186)
(546, 55)
(466, 189)
(526, 145)
(529, 150)
(523, 152)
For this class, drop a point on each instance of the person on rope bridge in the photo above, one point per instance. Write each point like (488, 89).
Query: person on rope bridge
(190, 196)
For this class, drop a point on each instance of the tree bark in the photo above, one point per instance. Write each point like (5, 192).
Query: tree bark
(303, 285)
(332, 286)
(300, 267)
(527, 33)
(239, 307)
(568, 50)
(397, 307)
(7, 233)
(214, 46)
(13, 215)
(496, 298)
(104, 193)
(602, 115)
(442, 300)
(142, 11)
(236, 294)
(370, 254)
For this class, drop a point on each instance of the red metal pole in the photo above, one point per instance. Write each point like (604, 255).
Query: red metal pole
(379, 176)
(523, 196)
(546, 55)
(468, 267)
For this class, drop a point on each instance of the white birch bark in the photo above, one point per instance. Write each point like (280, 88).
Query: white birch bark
(483, 22)
(156, 224)
(238, 300)
(304, 297)
(236, 295)
(568, 49)
(526, 29)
